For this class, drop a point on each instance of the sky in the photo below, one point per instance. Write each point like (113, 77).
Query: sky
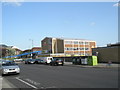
(27, 21)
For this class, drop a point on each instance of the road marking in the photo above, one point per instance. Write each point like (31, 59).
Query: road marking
(26, 82)
(33, 82)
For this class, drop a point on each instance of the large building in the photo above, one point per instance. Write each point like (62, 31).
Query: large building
(109, 53)
(80, 47)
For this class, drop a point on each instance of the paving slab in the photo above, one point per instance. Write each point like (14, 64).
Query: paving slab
(6, 84)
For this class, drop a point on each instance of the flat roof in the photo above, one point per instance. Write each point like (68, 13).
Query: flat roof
(62, 38)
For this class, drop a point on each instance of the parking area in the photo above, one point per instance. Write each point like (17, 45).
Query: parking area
(39, 76)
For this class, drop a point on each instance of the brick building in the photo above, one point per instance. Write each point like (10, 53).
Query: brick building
(36, 49)
(80, 47)
(109, 53)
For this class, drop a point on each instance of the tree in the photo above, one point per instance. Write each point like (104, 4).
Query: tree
(10, 51)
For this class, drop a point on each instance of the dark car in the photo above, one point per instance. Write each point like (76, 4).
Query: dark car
(39, 61)
(30, 61)
(56, 62)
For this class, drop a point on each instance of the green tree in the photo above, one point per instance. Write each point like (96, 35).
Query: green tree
(10, 51)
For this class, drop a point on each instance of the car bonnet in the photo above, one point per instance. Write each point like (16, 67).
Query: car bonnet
(8, 67)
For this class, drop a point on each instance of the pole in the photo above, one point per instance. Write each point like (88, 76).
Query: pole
(31, 48)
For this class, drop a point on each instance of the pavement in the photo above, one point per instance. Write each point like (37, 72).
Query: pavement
(100, 65)
(4, 83)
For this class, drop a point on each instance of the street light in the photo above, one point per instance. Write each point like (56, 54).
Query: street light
(31, 47)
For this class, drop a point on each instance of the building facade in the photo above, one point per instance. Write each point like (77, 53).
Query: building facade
(109, 53)
(36, 49)
(8, 50)
(80, 47)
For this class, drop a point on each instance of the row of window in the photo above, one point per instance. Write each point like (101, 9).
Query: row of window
(85, 54)
(77, 42)
(77, 49)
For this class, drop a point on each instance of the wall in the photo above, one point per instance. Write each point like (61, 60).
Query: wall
(107, 54)
(47, 45)
(60, 45)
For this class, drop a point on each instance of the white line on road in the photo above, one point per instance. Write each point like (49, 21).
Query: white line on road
(26, 82)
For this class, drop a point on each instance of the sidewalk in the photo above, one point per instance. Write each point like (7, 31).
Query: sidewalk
(4, 83)
(105, 65)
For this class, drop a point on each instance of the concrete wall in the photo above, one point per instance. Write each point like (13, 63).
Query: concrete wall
(60, 45)
(107, 54)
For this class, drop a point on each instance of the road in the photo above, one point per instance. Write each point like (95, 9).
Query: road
(44, 76)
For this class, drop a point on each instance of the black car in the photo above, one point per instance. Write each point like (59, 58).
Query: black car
(38, 61)
(30, 61)
(57, 62)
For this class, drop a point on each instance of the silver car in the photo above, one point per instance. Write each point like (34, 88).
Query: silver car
(9, 68)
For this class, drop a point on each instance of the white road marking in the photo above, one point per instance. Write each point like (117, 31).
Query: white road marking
(33, 82)
(26, 82)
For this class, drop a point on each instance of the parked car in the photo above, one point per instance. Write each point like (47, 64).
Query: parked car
(9, 67)
(18, 60)
(30, 61)
(46, 60)
(39, 61)
(2, 61)
(56, 62)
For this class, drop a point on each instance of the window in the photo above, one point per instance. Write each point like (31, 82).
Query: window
(81, 53)
(65, 49)
(68, 42)
(75, 42)
(68, 49)
(81, 49)
(81, 43)
(86, 43)
(86, 49)
(75, 48)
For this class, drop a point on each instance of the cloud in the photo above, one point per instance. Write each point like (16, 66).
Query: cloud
(92, 24)
(116, 5)
(13, 2)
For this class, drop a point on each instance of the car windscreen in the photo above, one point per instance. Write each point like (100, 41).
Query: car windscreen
(32, 60)
(60, 60)
(9, 64)
(29, 60)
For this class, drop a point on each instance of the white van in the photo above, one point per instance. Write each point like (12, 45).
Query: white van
(46, 60)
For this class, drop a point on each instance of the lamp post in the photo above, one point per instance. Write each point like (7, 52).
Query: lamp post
(31, 48)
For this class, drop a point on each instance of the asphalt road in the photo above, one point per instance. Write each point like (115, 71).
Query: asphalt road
(45, 76)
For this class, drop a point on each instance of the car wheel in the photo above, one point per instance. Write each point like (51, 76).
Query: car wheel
(18, 73)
